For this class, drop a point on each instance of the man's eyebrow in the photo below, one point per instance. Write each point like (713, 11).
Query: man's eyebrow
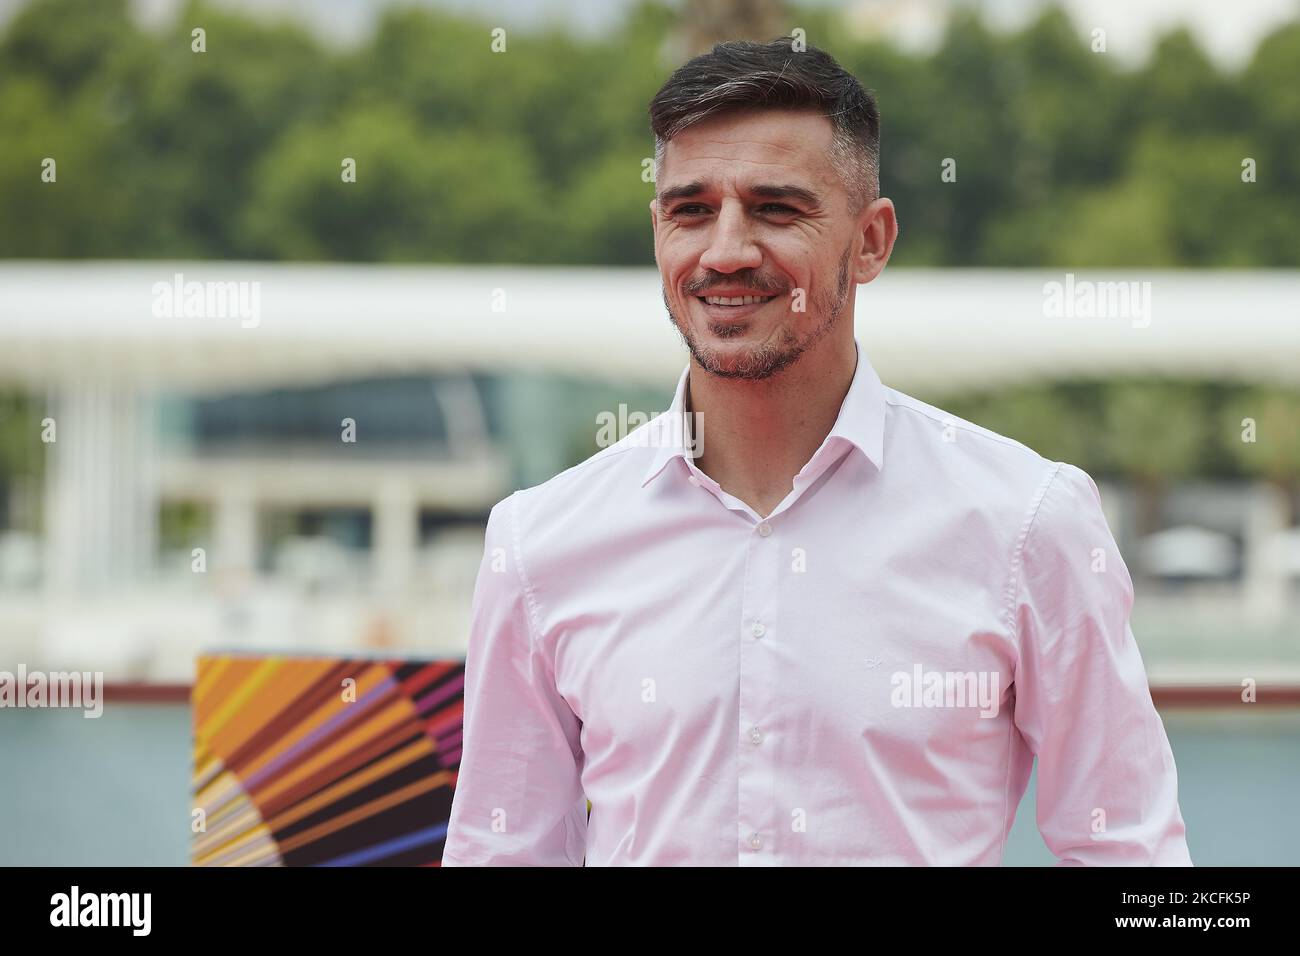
(765, 190)
(788, 191)
(680, 192)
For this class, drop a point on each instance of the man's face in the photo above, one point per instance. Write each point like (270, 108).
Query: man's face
(756, 242)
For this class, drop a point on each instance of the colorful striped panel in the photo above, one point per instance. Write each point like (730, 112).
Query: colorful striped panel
(324, 761)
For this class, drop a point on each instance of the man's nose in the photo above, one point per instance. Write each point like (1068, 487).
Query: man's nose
(731, 244)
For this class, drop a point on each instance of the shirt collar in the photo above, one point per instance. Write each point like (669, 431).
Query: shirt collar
(861, 421)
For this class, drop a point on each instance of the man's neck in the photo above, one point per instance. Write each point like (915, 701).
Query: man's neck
(757, 435)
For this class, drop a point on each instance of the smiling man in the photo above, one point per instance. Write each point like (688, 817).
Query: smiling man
(832, 625)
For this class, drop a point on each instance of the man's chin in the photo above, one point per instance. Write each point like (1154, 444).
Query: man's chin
(738, 360)
(736, 350)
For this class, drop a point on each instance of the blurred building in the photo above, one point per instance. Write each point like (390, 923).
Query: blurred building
(303, 456)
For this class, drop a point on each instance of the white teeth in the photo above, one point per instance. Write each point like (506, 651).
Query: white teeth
(736, 300)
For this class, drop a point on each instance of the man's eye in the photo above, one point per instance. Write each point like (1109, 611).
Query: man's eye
(689, 209)
(780, 209)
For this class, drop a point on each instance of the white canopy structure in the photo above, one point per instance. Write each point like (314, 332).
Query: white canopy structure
(85, 321)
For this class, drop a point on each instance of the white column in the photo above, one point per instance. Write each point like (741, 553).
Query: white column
(101, 495)
(396, 536)
(1112, 509)
(1265, 586)
(234, 530)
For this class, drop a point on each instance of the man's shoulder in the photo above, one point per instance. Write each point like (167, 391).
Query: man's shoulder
(962, 457)
(985, 441)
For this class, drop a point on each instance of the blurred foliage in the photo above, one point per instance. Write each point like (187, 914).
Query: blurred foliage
(1152, 433)
(535, 155)
(22, 455)
(1260, 424)
(21, 448)
(183, 525)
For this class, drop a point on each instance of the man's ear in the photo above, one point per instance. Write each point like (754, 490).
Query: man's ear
(654, 217)
(879, 227)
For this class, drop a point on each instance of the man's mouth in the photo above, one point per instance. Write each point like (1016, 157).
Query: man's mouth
(735, 300)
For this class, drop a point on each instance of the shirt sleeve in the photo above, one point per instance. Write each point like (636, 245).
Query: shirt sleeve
(1107, 785)
(518, 798)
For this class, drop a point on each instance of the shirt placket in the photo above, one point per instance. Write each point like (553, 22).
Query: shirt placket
(756, 730)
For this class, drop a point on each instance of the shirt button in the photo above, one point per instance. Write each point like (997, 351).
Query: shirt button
(755, 735)
(758, 630)
(764, 529)
(756, 842)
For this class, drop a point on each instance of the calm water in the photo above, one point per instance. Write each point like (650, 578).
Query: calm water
(115, 790)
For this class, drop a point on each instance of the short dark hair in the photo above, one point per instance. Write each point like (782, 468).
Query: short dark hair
(743, 75)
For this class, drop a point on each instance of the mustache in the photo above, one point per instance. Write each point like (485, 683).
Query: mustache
(759, 283)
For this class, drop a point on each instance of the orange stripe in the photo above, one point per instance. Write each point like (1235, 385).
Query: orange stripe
(333, 705)
(395, 713)
(277, 693)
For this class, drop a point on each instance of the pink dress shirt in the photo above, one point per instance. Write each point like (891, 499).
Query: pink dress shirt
(862, 678)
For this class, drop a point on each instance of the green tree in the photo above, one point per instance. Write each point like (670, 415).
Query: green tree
(459, 197)
(1040, 416)
(1154, 433)
(1270, 418)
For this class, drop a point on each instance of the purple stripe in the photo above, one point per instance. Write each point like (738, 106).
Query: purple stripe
(390, 848)
(440, 694)
(350, 712)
